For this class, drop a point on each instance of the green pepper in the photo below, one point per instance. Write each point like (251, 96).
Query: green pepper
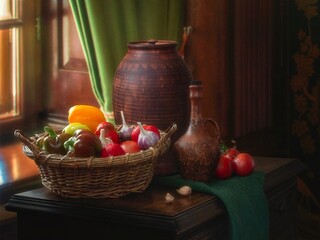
(72, 127)
(54, 143)
(84, 143)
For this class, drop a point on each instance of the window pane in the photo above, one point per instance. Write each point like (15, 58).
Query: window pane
(8, 9)
(9, 77)
(5, 9)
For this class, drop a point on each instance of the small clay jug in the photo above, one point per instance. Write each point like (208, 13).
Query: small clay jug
(198, 149)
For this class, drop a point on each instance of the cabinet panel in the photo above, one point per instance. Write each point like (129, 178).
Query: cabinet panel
(237, 50)
(209, 55)
(65, 66)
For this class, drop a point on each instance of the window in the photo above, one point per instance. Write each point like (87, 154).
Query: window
(10, 96)
(19, 65)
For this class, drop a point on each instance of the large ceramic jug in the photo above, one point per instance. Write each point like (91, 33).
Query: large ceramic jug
(199, 147)
(151, 86)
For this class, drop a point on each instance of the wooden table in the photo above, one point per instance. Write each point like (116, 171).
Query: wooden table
(17, 172)
(42, 215)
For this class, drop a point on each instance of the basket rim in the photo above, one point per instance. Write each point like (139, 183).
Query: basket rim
(60, 161)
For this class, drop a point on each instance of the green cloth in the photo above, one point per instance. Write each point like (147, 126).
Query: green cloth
(106, 26)
(243, 197)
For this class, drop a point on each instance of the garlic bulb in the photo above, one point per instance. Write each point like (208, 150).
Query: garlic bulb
(169, 198)
(125, 131)
(184, 191)
(103, 139)
(147, 138)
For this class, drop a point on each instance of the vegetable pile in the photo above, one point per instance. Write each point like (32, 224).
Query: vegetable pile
(89, 134)
(233, 162)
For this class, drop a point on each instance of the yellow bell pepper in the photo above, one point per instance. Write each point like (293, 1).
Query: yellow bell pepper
(72, 127)
(87, 115)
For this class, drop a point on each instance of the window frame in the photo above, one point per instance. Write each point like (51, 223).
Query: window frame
(29, 71)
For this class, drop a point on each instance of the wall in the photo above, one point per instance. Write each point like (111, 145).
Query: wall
(304, 73)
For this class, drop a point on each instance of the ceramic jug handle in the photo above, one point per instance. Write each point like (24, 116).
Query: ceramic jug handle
(216, 126)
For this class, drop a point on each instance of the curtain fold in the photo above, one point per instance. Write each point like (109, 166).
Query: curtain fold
(105, 27)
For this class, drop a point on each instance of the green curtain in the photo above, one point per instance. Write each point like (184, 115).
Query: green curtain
(106, 26)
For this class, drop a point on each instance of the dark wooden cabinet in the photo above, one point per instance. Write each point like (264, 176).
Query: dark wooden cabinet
(42, 215)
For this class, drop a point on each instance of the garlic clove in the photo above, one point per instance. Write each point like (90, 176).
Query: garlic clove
(184, 191)
(103, 139)
(169, 198)
(125, 131)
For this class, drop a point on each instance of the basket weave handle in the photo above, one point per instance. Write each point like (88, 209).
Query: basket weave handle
(27, 141)
(169, 132)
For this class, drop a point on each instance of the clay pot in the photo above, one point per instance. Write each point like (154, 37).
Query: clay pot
(151, 86)
(198, 148)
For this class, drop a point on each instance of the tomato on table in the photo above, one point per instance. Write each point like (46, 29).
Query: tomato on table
(224, 168)
(243, 164)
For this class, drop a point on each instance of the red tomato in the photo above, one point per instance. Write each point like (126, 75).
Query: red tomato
(130, 146)
(113, 135)
(232, 153)
(112, 149)
(110, 131)
(243, 164)
(224, 168)
(105, 125)
(136, 131)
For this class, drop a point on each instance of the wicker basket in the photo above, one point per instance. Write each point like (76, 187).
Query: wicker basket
(95, 177)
